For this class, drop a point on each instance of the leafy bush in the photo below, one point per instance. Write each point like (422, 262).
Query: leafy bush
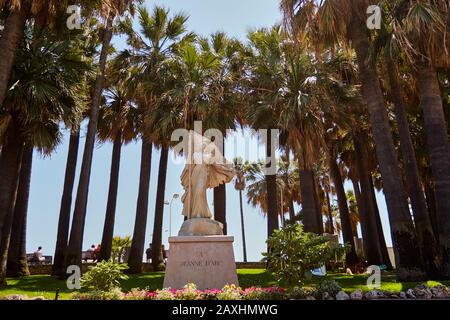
(410, 275)
(256, 293)
(329, 286)
(293, 252)
(298, 293)
(104, 276)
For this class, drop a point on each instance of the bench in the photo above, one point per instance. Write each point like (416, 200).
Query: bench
(32, 261)
(88, 255)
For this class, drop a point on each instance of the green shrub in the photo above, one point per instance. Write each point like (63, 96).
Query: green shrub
(299, 293)
(330, 286)
(293, 252)
(104, 277)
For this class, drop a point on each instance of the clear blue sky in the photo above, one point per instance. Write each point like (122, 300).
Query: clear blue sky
(236, 18)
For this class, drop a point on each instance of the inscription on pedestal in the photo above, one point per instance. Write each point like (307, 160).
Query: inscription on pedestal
(201, 263)
(206, 261)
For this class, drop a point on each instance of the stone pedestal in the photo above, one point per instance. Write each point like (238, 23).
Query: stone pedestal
(207, 261)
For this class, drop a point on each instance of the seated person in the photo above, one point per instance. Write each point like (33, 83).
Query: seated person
(97, 252)
(90, 254)
(37, 256)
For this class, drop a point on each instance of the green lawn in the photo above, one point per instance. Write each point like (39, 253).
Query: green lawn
(44, 285)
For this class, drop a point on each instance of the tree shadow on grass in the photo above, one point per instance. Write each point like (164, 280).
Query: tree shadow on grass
(36, 284)
(261, 279)
(151, 281)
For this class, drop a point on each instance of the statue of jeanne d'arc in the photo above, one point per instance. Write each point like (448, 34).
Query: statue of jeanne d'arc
(205, 168)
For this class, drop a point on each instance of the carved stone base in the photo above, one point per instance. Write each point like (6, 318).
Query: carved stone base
(207, 261)
(201, 227)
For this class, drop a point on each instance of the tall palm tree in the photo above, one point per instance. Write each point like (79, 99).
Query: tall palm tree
(344, 214)
(88, 44)
(386, 46)
(39, 83)
(17, 265)
(149, 58)
(117, 123)
(66, 204)
(239, 185)
(326, 16)
(45, 14)
(73, 254)
(222, 113)
(423, 25)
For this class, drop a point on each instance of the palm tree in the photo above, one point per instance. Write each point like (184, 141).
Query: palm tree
(10, 161)
(344, 214)
(117, 123)
(120, 246)
(66, 204)
(222, 112)
(429, 53)
(286, 184)
(328, 19)
(38, 84)
(46, 14)
(386, 45)
(149, 58)
(239, 185)
(73, 253)
(88, 43)
(17, 265)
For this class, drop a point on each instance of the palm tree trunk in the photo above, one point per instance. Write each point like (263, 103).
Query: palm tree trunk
(402, 227)
(318, 202)
(140, 224)
(359, 202)
(371, 239)
(244, 246)
(383, 247)
(330, 227)
(439, 150)
(347, 234)
(73, 253)
(10, 38)
(157, 259)
(427, 243)
(309, 210)
(108, 227)
(291, 211)
(220, 205)
(17, 265)
(431, 204)
(272, 198)
(220, 200)
(9, 170)
(10, 162)
(66, 204)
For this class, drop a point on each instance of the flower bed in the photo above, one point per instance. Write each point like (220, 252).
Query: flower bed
(328, 290)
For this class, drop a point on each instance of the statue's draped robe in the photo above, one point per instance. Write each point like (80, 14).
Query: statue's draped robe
(200, 176)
